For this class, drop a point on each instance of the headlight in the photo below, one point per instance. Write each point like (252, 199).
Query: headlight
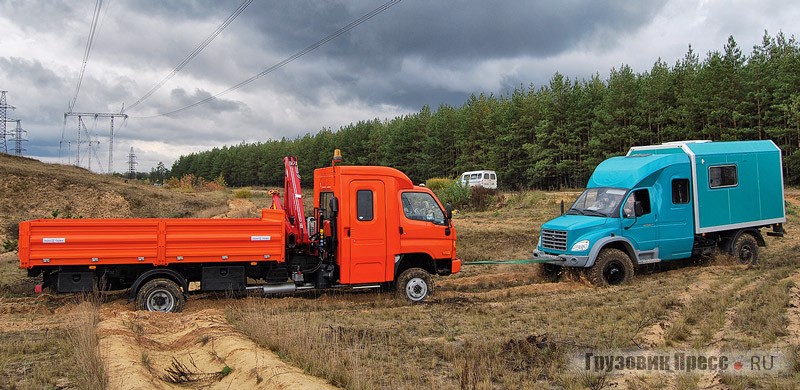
(539, 243)
(580, 246)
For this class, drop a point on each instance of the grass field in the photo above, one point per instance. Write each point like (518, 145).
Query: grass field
(488, 327)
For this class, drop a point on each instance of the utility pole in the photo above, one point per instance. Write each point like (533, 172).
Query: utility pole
(132, 164)
(3, 120)
(96, 115)
(19, 138)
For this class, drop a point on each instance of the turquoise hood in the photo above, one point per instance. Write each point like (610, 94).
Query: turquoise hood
(574, 222)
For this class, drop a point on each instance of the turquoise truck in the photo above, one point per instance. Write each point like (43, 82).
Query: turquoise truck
(668, 202)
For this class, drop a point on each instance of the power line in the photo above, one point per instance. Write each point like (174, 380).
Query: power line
(195, 52)
(289, 59)
(89, 44)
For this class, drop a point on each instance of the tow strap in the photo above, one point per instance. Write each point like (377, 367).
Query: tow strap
(486, 262)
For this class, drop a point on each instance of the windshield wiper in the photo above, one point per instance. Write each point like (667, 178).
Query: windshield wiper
(574, 211)
(595, 213)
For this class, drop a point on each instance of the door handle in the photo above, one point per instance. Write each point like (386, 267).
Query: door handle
(447, 231)
(347, 231)
(401, 230)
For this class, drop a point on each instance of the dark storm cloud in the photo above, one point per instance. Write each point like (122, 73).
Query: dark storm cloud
(452, 34)
(181, 99)
(185, 9)
(445, 31)
(365, 63)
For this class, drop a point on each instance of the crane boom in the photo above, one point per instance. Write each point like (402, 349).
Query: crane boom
(296, 229)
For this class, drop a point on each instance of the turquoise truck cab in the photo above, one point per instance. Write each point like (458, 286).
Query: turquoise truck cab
(668, 202)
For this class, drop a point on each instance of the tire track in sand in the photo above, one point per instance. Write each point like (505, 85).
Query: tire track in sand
(139, 347)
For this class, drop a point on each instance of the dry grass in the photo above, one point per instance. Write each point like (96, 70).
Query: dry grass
(29, 359)
(501, 326)
(468, 341)
(90, 370)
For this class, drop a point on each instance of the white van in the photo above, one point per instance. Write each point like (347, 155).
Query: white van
(485, 179)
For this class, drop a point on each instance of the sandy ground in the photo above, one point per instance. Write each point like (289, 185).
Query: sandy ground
(140, 347)
(143, 348)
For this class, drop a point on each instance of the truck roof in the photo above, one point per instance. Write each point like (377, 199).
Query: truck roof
(706, 148)
(628, 171)
(755, 198)
(403, 181)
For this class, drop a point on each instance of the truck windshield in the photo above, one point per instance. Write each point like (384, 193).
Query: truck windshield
(600, 202)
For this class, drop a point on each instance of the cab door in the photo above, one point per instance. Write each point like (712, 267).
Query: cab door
(366, 233)
(423, 227)
(642, 230)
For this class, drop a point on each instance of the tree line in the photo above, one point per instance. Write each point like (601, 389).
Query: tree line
(552, 136)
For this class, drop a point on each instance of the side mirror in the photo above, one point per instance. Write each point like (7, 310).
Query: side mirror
(638, 210)
(334, 205)
(448, 209)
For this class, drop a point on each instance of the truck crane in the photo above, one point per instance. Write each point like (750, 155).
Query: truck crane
(371, 228)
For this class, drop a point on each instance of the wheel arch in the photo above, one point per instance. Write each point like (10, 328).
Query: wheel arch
(165, 273)
(617, 242)
(734, 235)
(414, 260)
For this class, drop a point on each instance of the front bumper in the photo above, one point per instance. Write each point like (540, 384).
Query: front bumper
(456, 266)
(566, 260)
(446, 267)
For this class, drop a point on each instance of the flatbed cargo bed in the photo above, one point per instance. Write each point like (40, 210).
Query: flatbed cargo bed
(159, 242)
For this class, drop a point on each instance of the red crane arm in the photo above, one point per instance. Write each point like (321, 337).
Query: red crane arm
(293, 202)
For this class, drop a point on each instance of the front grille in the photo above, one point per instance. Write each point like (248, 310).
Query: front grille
(554, 239)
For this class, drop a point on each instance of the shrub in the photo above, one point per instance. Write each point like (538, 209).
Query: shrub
(10, 245)
(243, 193)
(192, 183)
(456, 194)
(480, 198)
(437, 184)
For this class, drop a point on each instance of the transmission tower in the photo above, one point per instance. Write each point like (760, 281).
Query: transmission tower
(19, 138)
(132, 164)
(82, 127)
(4, 134)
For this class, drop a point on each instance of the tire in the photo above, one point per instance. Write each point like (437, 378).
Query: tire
(549, 272)
(414, 285)
(612, 267)
(162, 295)
(745, 249)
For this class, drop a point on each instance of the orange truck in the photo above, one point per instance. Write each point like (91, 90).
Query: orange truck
(371, 228)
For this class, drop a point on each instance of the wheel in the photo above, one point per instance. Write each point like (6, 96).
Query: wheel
(745, 249)
(549, 272)
(414, 284)
(611, 268)
(160, 295)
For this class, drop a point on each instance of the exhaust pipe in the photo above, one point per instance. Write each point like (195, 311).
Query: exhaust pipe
(276, 288)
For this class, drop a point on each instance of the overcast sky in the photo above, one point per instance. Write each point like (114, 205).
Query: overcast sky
(415, 53)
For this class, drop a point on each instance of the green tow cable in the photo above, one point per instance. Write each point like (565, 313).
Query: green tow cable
(486, 262)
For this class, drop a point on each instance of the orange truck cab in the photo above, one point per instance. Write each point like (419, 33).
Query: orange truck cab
(371, 228)
(386, 229)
